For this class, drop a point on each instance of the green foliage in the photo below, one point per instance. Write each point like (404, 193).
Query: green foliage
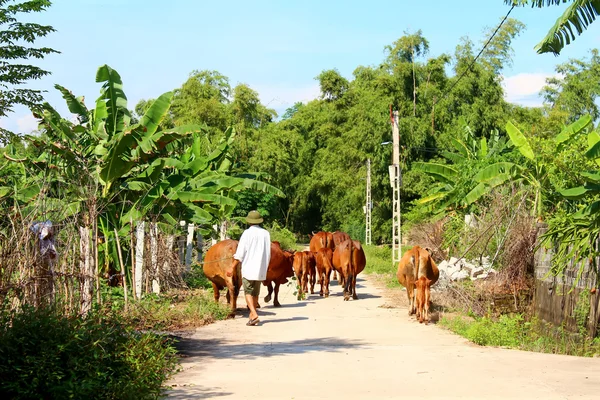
(285, 237)
(515, 332)
(582, 311)
(573, 235)
(379, 262)
(178, 311)
(14, 54)
(573, 93)
(195, 279)
(507, 331)
(578, 16)
(48, 355)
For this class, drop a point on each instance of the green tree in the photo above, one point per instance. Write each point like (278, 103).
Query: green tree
(16, 40)
(203, 99)
(574, 94)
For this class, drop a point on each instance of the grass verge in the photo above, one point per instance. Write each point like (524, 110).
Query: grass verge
(379, 262)
(513, 331)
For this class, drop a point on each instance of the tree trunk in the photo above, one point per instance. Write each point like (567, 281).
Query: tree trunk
(85, 269)
(139, 258)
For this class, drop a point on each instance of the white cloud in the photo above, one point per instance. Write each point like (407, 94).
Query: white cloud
(27, 124)
(524, 88)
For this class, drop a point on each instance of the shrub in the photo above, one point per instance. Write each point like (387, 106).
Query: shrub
(47, 355)
(179, 311)
(195, 278)
(286, 238)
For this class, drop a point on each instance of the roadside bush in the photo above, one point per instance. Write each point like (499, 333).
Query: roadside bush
(179, 310)
(46, 355)
(286, 238)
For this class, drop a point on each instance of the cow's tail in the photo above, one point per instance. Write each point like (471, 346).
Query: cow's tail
(351, 277)
(416, 261)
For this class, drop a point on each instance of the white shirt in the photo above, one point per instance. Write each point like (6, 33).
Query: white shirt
(254, 252)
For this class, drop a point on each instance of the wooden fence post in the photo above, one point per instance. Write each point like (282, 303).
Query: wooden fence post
(123, 276)
(154, 258)
(189, 247)
(139, 258)
(199, 246)
(84, 268)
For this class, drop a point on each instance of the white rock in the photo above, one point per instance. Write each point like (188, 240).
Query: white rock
(443, 281)
(459, 276)
(477, 271)
(468, 267)
(443, 266)
(454, 261)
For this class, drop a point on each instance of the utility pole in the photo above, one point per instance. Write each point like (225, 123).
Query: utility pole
(396, 181)
(368, 205)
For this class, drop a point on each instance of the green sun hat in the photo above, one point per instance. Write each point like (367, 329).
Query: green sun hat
(254, 218)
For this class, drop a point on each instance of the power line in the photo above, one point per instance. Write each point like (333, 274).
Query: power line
(447, 92)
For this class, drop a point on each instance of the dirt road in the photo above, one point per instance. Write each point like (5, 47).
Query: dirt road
(331, 349)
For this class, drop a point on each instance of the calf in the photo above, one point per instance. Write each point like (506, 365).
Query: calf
(423, 298)
(324, 258)
(416, 263)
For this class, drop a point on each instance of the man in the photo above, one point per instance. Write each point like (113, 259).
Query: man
(254, 252)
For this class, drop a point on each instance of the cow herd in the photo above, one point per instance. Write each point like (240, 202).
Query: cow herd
(329, 253)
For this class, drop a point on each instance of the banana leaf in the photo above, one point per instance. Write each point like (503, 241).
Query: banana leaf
(519, 141)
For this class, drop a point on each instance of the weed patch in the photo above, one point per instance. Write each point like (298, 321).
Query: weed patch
(514, 331)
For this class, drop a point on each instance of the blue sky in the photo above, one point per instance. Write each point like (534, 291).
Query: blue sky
(276, 47)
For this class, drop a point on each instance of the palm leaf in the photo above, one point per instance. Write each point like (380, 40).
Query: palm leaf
(578, 16)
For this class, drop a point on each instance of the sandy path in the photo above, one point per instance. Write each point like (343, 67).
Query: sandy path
(331, 349)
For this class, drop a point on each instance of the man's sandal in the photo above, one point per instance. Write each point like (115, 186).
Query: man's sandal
(252, 322)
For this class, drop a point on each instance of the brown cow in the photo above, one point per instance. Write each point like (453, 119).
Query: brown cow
(280, 268)
(321, 240)
(311, 264)
(423, 298)
(324, 258)
(338, 237)
(416, 263)
(349, 260)
(216, 263)
(304, 268)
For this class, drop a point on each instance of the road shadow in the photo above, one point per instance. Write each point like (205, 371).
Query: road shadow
(191, 348)
(194, 392)
(271, 321)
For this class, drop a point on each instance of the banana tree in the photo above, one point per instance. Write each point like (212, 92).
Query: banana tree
(534, 170)
(127, 170)
(473, 172)
(575, 236)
